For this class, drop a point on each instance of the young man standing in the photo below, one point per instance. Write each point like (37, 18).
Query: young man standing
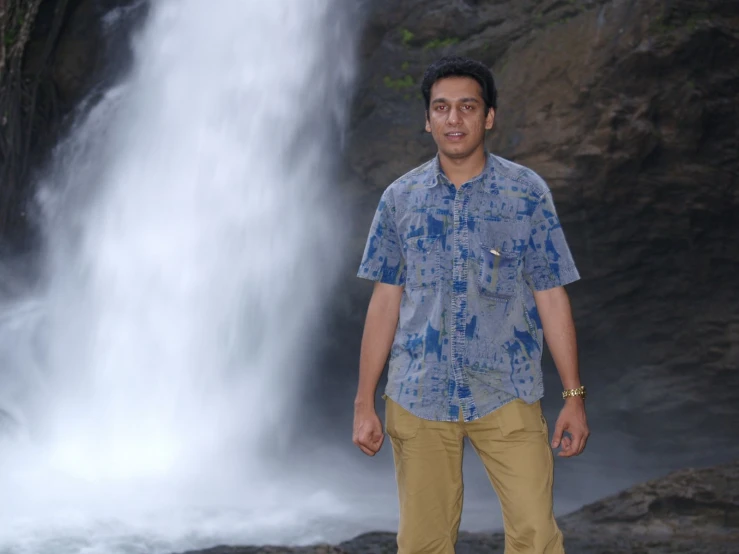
(470, 264)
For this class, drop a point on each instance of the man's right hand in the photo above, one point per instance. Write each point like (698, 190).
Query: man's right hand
(379, 329)
(368, 434)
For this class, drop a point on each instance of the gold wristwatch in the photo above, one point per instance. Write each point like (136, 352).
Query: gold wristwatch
(579, 391)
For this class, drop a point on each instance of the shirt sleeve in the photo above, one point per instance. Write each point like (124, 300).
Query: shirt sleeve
(548, 262)
(383, 258)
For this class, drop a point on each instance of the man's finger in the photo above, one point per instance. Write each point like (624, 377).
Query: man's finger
(367, 445)
(576, 442)
(558, 431)
(371, 444)
(366, 450)
(574, 446)
(566, 444)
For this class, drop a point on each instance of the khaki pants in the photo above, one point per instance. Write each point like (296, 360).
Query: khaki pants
(512, 443)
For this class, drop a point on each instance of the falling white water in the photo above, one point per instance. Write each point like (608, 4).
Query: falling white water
(190, 242)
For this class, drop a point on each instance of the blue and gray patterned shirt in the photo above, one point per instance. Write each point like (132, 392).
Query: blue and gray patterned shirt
(469, 336)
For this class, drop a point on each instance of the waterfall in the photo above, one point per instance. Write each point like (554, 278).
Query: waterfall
(191, 236)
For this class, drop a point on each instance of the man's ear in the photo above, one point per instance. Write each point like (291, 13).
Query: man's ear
(428, 123)
(490, 119)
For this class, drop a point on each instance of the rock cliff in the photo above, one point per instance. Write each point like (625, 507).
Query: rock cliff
(64, 49)
(629, 111)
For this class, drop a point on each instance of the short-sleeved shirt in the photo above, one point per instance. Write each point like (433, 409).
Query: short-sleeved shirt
(469, 338)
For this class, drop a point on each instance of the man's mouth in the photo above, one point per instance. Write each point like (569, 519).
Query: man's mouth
(457, 135)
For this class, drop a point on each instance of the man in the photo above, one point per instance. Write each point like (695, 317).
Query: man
(470, 262)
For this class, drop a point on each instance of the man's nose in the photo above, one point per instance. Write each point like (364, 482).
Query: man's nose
(453, 118)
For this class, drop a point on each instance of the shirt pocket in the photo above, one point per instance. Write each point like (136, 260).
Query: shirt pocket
(423, 261)
(498, 272)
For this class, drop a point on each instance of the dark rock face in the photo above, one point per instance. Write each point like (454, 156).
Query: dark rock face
(70, 49)
(73, 47)
(629, 111)
(78, 53)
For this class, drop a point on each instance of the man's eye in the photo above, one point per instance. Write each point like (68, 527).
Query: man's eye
(440, 108)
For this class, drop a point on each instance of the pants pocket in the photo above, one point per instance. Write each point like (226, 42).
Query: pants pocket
(399, 422)
(519, 417)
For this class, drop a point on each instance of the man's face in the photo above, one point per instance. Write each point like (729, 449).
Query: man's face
(456, 117)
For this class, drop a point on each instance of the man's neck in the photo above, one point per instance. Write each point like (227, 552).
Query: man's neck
(461, 170)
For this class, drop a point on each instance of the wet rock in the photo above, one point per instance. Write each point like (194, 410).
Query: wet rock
(692, 510)
(74, 47)
(77, 54)
(70, 48)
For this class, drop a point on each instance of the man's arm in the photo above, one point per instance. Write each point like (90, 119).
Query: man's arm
(559, 332)
(377, 339)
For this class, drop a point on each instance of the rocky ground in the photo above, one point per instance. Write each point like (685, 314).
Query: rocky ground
(689, 511)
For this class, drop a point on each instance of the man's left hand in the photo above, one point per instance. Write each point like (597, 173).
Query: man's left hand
(571, 419)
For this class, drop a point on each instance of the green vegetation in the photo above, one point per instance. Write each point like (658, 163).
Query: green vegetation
(669, 25)
(11, 28)
(10, 36)
(696, 20)
(406, 36)
(403, 83)
(440, 43)
(547, 22)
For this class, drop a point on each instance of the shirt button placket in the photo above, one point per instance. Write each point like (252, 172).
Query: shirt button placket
(459, 297)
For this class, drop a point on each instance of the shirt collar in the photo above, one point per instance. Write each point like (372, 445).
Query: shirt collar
(435, 175)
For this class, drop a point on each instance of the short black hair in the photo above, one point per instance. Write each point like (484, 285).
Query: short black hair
(458, 66)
